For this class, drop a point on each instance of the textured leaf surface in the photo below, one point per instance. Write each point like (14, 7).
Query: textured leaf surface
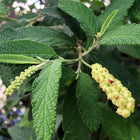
(22, 133)
(133, 51)
(121, 5)
(82, 14)
(43, 35)
(45, 93)
(87, 100)
(26, 47)
(73, 125)
(117, 127)
(108, 21)
(122, 35)
(18, 59)
(120, 73)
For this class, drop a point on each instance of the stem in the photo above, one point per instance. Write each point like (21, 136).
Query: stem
(42, 59)
(8, 18)
(42, 65)
(34, 19)
(95, 44)
(78, 69)
(86, 63)
(68, 60)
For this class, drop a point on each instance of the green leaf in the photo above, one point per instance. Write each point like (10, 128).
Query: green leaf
(26, 47)
(42, 35)
(133, 51)
(87, 99)
(3, 9)
(18, 59)
(82, 14)
(122, 35)
(22, 133)
(108, 21)
(121, 5)
(117, 127)
(45, 93)
(73, 125)
(120, 73)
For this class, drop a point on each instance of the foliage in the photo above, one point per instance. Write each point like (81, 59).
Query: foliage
(61, 42)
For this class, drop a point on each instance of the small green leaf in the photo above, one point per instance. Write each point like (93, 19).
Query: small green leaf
(18, 59)
(22, 133)
(73, 125)
(122, 35)
(67, 75)
(117, 127)
(50, 11)
(108, 21)
(122, 6)
(45, 93)
(82, 14)
(87, 99)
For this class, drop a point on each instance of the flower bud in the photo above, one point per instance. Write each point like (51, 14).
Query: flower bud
(15, 85)
(120, 95)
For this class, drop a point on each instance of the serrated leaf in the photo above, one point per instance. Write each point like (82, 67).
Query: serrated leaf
(73, 125)
(133, 51)
(87, 101)
(45, 93)
(108, 21)
(43, 35)
(120, 73)
(82, 14)
(26, 47)
(121, 5)
(117, 127)
(22, 133)
(3, 9)
(122, 35)
(18, 59)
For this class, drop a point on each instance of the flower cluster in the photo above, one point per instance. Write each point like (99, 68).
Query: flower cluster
(120, 95)
(15, 85)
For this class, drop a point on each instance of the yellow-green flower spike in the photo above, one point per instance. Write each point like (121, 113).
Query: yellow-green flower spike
(120, 95)
(15, 85)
